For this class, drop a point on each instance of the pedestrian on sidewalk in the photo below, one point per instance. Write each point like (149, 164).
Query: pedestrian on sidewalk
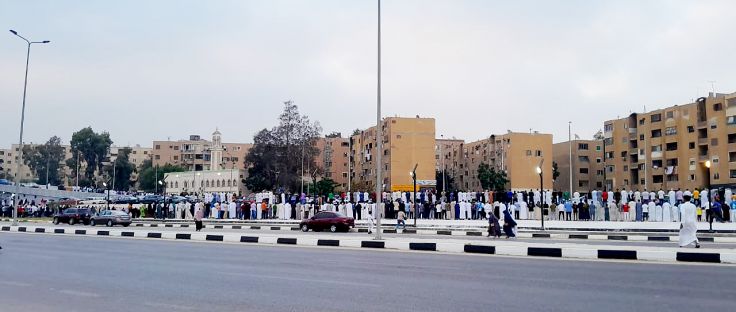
(494, 229)
(400, 220)
(198, 215)
(688, 225)
(509, 224)
(370, 221)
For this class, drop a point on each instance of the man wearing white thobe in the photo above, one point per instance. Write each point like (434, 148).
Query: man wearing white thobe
(666, 212)
(688, 225)
(523, 210)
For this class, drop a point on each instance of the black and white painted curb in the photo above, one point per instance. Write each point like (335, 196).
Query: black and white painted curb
(505, 248)
(612, 237)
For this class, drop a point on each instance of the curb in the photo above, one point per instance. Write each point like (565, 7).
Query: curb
(524, 250)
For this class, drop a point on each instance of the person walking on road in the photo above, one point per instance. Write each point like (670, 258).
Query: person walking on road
(509, 224)
(688, 224)
(198, 215)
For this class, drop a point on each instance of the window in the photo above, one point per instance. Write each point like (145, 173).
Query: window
(732, 174)
(583, 146)
(657, 179)
(715, 160)
(528, 152)
(656, 117)
(158, 157)
(716, 176)
(623, 154)
(599, 172)
(158, 146)
(641, 137)
(670, 114)
(731, 120)
(656, 148)
(641, 121)
(608, 127)
(672, 162)
(584, 170)
(609, 154)
(539, 153)
(598, 160)
(732, 138)
(691, 145)
(656, 133)
(176, 147)
(670, 131)
(657, 163)
(598, 184)
(583, 159)
(714, 142)
(713, 126)
(671, 146)
(718, 107)
(598, 148)
(731, 156)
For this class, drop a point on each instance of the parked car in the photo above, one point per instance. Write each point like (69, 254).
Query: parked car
(94, 201)
(126, 200)
(73, 215)
(334, 221)
(110, 218)
(68, 201)
(5, 182)
(151, 199)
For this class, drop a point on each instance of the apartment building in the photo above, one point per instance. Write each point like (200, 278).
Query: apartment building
(407, 142)
(333, 158)
(441, 146)
(516, 153)
(8, 163)
(199, 154)
(667, 148)
(587, 165)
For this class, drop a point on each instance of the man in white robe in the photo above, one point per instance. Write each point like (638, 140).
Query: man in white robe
(666, 212)
(232, 210)
(657, 212)
(523, 211)
(688, 225)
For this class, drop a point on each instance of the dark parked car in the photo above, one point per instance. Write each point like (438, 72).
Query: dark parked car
(126, 200)
(334, 221)
(151, 199)
(73, 215)
(110, 218)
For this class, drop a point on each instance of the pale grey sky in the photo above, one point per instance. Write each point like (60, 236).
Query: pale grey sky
(146, 70)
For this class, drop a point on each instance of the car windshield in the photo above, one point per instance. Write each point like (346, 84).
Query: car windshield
(118, 213)
(338, 215)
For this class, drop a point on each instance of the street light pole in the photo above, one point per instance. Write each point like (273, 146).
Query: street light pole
(379, 134)
(413, 175)
(442, 156)
(541, 191)
(22, 120)
(709, 213)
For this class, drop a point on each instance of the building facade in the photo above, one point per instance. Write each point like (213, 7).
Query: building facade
(200, 182)
(332, 159)
(407, 142)
(197, 154)
(668, 148)
(587, 165)
(517, 154)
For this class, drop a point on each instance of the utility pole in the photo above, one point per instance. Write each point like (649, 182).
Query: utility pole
(569, 139)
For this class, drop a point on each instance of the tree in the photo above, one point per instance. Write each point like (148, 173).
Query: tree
(45, 160)
(440, 183)
(333, 135)
(93, 148)
(555, 171)
(357, 131)
(147, 176)
(275, 160)
(324, 186)
(491, 179)
(121, 170)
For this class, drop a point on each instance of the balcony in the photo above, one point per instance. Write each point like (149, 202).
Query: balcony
(702, 141)
(702, 124)
(703, 157)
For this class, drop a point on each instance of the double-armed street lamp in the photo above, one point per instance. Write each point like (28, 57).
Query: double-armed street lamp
(22, 120)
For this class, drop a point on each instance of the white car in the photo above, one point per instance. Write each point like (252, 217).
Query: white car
(94, 201)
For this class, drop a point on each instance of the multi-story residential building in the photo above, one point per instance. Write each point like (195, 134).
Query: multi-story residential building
(587, 165)
(137, 154)
(667, 148)
(407, 142)
(197, 154)
(517, 154)
(442, 146)
(332, 158)
(8, 163)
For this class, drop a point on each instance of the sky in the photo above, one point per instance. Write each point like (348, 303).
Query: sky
(165, 69)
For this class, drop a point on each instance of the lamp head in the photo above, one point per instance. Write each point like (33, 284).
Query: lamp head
(14, 32)
(160, 182)
(539, 170)
(104, 184)
(707, 164)
(45, 41)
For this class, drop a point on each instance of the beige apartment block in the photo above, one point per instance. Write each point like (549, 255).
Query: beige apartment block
(516, 153)
(197, 154)
(332, 159)
(587, 165)
(8, 163)
(667, 148)
(406, 142)
(439, 150)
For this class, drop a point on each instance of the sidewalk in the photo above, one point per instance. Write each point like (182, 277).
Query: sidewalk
(492, 247)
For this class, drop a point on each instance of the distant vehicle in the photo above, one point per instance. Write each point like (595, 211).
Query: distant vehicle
(177, 199)
(94, 201)
(150, 199)
(126, 200)
(68, 201)
(334, 221)
(5, 182)
(110, 218)
(73, 215)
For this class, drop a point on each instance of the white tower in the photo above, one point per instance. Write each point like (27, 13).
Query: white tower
(216, 154)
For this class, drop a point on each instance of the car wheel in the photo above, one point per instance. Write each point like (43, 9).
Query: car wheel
(56, 220)
(71, 221)
(333, 228)
(305, 228)
(92, 222)
(126, 224)
(109, 222)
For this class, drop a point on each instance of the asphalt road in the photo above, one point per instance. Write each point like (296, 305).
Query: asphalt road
(67, 273)
(354, 234)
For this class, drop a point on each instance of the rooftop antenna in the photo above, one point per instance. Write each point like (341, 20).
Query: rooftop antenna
(713, 86)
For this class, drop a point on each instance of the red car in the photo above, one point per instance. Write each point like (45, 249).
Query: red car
(334, 221)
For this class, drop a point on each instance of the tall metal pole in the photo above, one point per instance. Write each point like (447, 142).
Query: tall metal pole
(350, 159)
(302, 188)
(442, 157)
(569, 139)
(22, 121)
(47, 170)
(379, 134)
(77, 171)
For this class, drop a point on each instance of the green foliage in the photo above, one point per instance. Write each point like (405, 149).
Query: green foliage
(492, 179)
(46, 158)
(121, 170)
(440, 184)
(279, 155)
(93, 149)
(148, 175)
